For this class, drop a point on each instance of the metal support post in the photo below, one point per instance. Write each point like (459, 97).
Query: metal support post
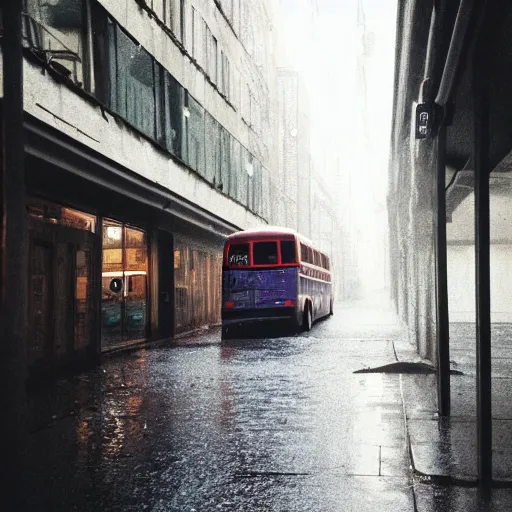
(482, 275)
(13, 266)
(443, 326)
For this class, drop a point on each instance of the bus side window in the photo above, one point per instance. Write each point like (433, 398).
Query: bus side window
(288, 251)
(303, 253)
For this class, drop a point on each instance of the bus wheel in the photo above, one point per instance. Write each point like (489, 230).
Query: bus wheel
(331, 309)
(308, 318)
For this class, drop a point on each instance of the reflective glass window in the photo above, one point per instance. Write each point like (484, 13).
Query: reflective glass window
(124, 283)
(132, 88)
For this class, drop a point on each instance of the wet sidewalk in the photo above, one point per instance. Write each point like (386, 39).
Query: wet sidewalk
(442, 452)
(447, 447)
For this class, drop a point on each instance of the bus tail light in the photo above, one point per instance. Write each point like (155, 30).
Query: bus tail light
(229, 304)
(289, 302)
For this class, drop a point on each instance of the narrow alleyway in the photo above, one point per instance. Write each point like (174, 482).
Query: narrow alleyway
(276, 424)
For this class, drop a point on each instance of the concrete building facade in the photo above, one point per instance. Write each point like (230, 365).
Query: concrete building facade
(148, 138)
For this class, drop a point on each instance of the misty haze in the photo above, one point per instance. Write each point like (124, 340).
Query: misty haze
(255, 255)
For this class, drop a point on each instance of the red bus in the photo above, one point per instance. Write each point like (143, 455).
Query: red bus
(274, 274)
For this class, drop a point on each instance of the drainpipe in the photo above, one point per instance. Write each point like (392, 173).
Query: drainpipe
(13, 362)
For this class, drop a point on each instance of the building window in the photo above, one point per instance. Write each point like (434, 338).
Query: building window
(220, 62)
(227, 78)
(214, 59)
(169, 14)
(236, 100)
(224, 75)
(204, 45)
(174, 114)
(124, 74)
(182, 21)
(211, 56)
(235, 184)
(132, 91)
(58, 31)
(195, 137)
(247, 163)
(177, 259)
(256, 179)
(124, 283)
(212, 150)
(194, 32)
(225, 159)
(55, 214)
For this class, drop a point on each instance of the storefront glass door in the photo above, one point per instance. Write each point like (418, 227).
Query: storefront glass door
(124, 284)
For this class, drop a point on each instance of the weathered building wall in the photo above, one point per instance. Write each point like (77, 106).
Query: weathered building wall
(61, 108)
(150, 136)
(242, 104)
(411, 189)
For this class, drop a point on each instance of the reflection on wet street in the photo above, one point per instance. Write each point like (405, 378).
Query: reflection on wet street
(277, 424)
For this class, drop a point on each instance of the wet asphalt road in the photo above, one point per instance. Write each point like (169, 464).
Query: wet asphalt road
(252, 425)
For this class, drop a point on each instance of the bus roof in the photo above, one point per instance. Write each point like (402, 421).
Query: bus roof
(268, 232)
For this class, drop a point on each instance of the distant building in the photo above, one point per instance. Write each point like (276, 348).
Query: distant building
(294, 153)
(306, 178)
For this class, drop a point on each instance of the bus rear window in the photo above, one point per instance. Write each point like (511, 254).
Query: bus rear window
(264, 253)
(288, 251)
(238, 255)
